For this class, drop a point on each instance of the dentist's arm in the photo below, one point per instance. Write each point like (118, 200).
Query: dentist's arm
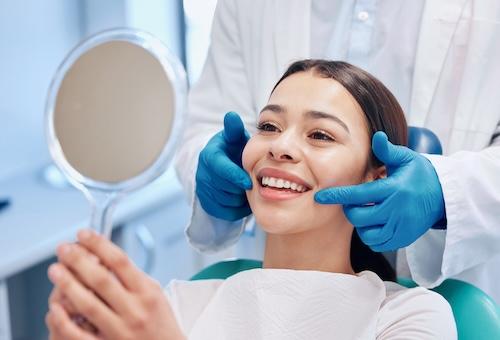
(470, 183)
(222, 87)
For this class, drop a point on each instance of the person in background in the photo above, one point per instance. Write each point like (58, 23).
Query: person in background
(441, 61)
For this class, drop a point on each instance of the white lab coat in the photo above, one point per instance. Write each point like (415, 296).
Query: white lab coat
(455, 93)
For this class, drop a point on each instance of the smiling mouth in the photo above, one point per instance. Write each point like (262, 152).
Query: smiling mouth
(281, 184)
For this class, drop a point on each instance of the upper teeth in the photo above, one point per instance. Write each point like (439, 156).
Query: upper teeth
(282, 183)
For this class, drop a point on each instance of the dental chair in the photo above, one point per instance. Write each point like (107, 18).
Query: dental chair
(477, 316)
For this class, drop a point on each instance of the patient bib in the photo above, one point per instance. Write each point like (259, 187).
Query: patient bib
(285, 304)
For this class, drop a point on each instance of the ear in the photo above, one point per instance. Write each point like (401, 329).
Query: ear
(380, 172)
(376, 173)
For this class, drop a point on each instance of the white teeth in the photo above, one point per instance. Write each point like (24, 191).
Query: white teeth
(279, 183)
(282, 183)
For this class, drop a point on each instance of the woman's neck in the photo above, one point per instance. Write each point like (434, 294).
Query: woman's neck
(322, 249)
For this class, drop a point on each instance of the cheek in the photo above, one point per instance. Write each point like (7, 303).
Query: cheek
(338, 167)
(250, 154)
(253, 152)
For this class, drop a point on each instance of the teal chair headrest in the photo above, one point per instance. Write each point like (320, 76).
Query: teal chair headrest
(424, 141)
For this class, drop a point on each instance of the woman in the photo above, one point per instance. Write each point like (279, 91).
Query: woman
(317, 281)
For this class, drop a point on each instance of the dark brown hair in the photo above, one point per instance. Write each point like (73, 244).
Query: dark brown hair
(383, 113)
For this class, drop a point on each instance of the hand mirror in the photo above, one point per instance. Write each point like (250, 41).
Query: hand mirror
(113, 115)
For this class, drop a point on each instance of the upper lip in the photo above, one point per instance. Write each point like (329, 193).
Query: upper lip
(277, 173)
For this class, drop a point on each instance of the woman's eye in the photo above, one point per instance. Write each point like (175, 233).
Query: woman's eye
(267, 127)
(319, 135)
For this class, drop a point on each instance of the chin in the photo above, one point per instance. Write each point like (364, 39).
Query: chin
(274, 220)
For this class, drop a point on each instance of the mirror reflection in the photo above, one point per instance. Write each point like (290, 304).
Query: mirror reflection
(113, 112)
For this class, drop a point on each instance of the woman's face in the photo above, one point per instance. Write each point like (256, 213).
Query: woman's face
(312, 135)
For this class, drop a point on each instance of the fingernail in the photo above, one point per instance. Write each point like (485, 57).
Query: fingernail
(54, 272)
(84, 235)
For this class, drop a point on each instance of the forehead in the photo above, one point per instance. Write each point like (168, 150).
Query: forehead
(305, 91)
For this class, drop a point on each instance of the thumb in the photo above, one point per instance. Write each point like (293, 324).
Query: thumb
(234, 130)
(388, 153)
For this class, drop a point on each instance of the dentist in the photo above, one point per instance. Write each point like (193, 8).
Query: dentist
(439, 58)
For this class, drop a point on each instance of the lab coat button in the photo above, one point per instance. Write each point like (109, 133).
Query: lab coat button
(363, 16)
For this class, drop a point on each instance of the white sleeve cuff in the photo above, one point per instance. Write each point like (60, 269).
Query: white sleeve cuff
(469, 239)
(209, 234)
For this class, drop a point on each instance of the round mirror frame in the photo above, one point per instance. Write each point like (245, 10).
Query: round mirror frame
(175, 73)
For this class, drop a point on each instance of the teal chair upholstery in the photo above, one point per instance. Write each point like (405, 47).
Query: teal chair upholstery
(227, 268)
(476, 314)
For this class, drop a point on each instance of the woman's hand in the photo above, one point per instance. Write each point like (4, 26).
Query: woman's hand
(98, 281)
(56, 296)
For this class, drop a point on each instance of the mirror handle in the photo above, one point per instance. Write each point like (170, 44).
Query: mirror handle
(102, 205)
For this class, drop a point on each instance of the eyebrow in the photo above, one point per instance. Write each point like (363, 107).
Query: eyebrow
(310, 114)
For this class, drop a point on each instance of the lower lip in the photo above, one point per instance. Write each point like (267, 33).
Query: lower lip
(278, 195)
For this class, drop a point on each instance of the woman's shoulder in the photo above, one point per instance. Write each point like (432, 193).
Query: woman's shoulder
(414, 313)
(188, 299)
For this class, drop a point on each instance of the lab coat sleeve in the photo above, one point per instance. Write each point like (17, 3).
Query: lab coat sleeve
(471, 187)
(222, 87)
(416, 313)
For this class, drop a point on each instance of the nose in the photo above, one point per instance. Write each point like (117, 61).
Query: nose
(284, 149)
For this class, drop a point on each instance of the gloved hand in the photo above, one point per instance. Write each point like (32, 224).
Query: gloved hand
(220, 179)
(392, 212)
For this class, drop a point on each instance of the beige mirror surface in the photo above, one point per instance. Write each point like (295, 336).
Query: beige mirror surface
(114, 111)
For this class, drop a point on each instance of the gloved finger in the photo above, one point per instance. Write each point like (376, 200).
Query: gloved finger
(386, 246)
(388, 153)
(234, 214)
(401, 238)
(392, 241)
(213, 208)
(224, 185)
(367, 215)
(234, 130)
(214, 182)
(227, 199)
(370, 192)
(219, 164)
(376, 235)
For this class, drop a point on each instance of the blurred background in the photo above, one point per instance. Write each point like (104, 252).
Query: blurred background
(43, 210)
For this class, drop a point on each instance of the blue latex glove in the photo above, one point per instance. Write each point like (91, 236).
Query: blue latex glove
(392, 212)
(220, 179)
